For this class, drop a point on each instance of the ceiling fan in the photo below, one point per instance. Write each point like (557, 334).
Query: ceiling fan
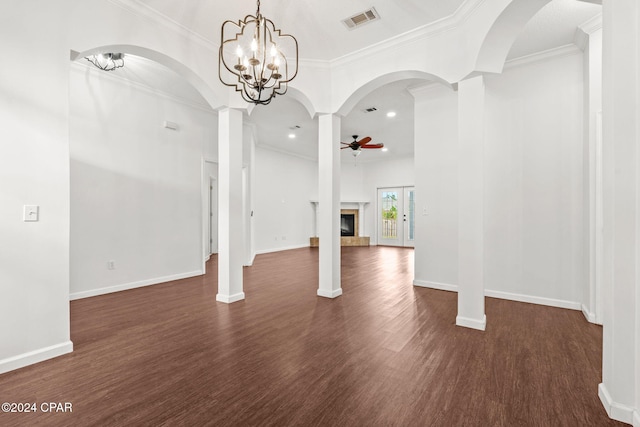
(356, 145)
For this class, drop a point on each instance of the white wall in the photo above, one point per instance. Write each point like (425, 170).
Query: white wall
(136, 192)
(284, 188)
(436, 178)
(533, 197)
(534, 210)
(34, 170)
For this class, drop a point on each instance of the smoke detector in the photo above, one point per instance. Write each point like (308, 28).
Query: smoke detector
(361, 18)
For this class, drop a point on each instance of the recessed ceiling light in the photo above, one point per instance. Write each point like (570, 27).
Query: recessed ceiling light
(391, 114)
(292, 135)
(385, 149)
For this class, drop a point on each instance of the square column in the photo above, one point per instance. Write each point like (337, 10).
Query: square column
(620, 387)
(230, 224)
(329, 205)
(471, 125)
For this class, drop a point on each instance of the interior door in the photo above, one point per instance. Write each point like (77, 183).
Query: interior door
(396, 216)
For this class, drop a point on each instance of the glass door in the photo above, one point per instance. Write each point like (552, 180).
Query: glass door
(396, 216)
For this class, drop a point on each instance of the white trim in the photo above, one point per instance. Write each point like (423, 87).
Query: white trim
(133, 285)
(330, 294)
(615, 410)
(479, 324)
(427, 31)
(636, 419)
(36, 356)
(137, 8)
(545, 55)
(264, 146)
(229, 299)
(435, 285)
(591, 317)
(551, 302)
(287, 248)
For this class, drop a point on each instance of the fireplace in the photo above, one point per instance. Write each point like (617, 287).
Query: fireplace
(347, 224)
(351, 227)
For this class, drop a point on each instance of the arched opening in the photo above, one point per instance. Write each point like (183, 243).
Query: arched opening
(143, 154)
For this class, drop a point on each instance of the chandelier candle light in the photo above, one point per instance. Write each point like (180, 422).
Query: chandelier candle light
(253, 57)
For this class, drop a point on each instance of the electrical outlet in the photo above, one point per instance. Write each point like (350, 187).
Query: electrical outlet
(111, 265)
(31, 213)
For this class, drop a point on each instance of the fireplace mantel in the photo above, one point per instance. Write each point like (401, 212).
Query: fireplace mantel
(359, 239)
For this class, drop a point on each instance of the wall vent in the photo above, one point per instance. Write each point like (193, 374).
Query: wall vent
(361, 18)
(370, 110)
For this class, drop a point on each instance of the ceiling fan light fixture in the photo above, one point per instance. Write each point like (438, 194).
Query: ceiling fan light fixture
(253, 58)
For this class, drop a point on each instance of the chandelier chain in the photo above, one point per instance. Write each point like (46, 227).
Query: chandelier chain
(258, 11)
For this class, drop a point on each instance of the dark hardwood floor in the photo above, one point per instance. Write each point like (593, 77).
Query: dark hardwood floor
(383, 354)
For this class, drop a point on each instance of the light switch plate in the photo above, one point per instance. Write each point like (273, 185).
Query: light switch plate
(31, 213)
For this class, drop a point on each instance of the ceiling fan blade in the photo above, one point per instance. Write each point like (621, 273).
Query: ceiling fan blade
(345, 143)
(372, 146)
(364, 140)
(342, 148)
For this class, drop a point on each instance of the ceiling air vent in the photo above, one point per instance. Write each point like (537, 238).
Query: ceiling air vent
(370, 110)
(361, 18)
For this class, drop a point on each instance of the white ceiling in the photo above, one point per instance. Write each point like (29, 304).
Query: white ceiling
(310, 21)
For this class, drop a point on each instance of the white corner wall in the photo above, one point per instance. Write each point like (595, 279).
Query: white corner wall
(436, 179)
(534, 211)
(533, 197)
(284, 188)
(136, 187)
(34, 170)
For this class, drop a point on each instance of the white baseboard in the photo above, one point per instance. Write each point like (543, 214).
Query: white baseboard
(616, 411)
(636, 419)
(479, 324)
(40, 355)
(591, 317)
(229, 299)
(435, 285)
(286, 248)
(329, 294)
(508, 296)
(133, 285)
(551, 302)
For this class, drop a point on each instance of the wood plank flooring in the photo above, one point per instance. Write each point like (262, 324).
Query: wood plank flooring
(383, 354)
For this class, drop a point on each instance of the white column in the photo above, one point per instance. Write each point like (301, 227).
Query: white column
(230, 225)
(329, 205)
(471, 194)
(590, 33)
(361, 219)
(620, 387)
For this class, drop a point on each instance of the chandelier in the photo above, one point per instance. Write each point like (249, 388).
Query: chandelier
(107, 61)
(252, 52)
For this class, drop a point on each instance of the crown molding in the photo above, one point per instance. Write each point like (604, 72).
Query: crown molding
(557, 52)
(115, 78)
(136, 7)
(432, 29)
(460, 16)
(288, 153)
(587, 29)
